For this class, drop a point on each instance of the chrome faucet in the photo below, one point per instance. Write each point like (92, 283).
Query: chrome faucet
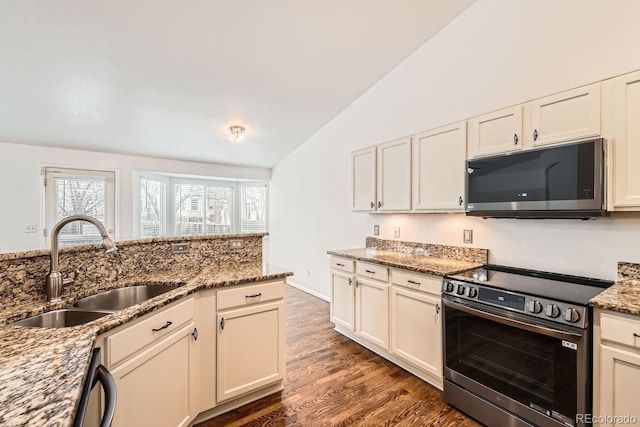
(54, 281)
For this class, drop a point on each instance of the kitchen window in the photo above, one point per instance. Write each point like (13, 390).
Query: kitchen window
(78, 192)
(175, 206)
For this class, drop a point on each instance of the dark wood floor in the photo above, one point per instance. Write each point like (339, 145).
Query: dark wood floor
(332, 381)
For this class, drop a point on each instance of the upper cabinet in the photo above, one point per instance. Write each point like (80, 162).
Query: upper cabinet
(363, 178)
(438, 168)
(565, 116)
(381, 177)
(497, 132)
(624, 97)
(394, 175)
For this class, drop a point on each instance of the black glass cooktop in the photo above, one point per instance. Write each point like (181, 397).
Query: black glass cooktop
(561, 287)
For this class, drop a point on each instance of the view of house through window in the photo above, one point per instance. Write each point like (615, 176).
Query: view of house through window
(78, 192)
(186, 207)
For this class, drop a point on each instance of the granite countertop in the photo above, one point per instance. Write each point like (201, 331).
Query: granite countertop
(623, 297)
(410, 261)
(42, 371)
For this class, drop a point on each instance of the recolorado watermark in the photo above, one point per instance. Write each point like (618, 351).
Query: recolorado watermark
(606, 419)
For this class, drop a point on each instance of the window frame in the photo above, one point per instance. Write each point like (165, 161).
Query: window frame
(52, 172)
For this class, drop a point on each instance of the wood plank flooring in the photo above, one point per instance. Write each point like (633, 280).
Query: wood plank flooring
(332, 381)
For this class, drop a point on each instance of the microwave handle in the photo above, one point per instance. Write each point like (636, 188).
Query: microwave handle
(551, 332)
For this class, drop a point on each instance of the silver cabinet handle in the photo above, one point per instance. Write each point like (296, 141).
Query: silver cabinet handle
(165, 326)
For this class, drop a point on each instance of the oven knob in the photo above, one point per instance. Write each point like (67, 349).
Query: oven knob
(460, 290)
(471, 292)
(552, 310)
(534, 306)
(448, 287)
(571, 315)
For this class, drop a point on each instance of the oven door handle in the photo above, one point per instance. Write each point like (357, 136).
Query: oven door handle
(551, 332)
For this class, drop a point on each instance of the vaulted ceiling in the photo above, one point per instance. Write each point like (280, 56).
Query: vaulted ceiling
(166, 78)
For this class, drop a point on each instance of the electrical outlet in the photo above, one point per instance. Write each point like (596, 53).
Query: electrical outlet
(180, 248)
(376, 230)
(467, 236)
(396, 232)
(236, 243)
(30, 228)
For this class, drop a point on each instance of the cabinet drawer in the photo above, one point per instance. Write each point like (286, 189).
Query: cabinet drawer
(421, 282)
(149, 329)
(342, 264)
(620, 328)
(374, 271)
(238, 297)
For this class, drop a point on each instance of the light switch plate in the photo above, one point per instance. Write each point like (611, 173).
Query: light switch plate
(467, 236)
(396, 232)
(376, 230)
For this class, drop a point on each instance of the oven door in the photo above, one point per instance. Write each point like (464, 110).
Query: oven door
(534, 369)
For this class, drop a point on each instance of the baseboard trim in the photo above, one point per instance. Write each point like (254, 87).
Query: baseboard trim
(307, 290)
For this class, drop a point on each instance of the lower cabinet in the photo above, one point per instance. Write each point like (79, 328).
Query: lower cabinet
(251, 342)
(397, 314)
(154, 386)
(617, 368)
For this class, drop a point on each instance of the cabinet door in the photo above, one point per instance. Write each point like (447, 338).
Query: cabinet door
(416, 329)
(497, 132)
(619, 379)
(251, 348)
(154, 386)
(394, 175)
(342, 299)
(626, 141)
(363, 177)
(372, 311)
(438, 168)
(565, 116)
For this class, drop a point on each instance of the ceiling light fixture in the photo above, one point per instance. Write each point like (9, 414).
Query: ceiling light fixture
(236, 133)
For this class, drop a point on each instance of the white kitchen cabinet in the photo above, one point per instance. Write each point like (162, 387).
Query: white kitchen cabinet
(394, 176)
(496, 132)
(439, 169)
(618, 369)
(625, 140)
(363, 180)
(342, 309)
(372, 311)
(251, 346)
(416, 321)
(154, 386)
(565, 116)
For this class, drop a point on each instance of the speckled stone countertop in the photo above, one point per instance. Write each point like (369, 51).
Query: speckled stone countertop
(429, 258)
(624, 295)
(42, 371)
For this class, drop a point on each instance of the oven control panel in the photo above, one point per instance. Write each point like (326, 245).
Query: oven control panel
(555, 311)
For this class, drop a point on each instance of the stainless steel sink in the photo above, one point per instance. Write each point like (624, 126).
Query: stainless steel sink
(121, 298)
(62, 318)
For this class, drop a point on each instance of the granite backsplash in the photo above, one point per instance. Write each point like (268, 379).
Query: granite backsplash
(22, 274)
(430, 249)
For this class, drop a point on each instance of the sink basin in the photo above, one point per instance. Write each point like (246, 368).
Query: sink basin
(121, 298)
(62, 318)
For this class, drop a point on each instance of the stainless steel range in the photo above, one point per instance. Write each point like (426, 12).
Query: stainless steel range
(518, 345)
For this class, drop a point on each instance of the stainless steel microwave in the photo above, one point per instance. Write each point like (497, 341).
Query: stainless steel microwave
(564, 181)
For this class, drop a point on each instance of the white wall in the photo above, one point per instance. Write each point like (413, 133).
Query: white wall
(22, 189)
(496, 54)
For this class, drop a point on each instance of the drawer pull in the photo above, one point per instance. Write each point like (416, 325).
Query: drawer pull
(254, 295)
(222, 323)
(437, 308)
(350, 282)
(636, 335)
(194, 334)
(370, 271)
(413, 282)
(165, 326)
(339, 265)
